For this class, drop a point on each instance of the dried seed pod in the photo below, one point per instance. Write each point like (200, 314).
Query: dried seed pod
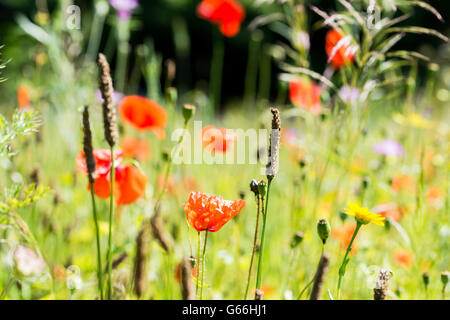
(379, 292)
(259, 294)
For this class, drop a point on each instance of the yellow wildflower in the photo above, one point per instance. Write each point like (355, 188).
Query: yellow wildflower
(363, 215)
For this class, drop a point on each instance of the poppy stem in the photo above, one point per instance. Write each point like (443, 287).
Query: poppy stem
(111, 213)
(97, 235)
(203, 263)
(216, 71)
(198, 263)
(258, 274)
(255, 240)
(346, 260)
(304, 289)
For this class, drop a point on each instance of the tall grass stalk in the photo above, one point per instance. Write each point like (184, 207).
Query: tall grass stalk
(263, 232)
(255, 241)
(216, 72)
(97, 236)
(111, 215)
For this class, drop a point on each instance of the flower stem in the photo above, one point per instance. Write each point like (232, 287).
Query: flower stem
(255, 240)
(99, 253)
(111, 214)
(198, 263)
(216, 71)
(304, 289)
(203, 263)
(258, 274)
(345, 260)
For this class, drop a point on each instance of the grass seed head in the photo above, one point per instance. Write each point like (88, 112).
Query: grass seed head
(274, 147)
(107, 91)
(87, 146)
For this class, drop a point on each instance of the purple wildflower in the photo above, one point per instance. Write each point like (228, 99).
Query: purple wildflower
(389, 148)
(124, 7)
(349, 94)
(117, 96)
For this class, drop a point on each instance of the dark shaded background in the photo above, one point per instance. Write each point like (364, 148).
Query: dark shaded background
(156, 22)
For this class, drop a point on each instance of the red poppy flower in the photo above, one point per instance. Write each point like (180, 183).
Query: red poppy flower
(102, 161)
(344, 235)
(305, 94)
(129, 181)
(338, 49)
(404, 257)
(135, 148)
(23, 97)
(205, 212)
(144, 114)
(228, 14)
(217, 140)
(403, 183)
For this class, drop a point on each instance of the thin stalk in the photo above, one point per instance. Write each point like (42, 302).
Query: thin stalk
(216, 72)
(258, 274)
(344, 261)
(198, 263)
(111, 214)
(304, 289)
(99, 254)
(255, 240)
(6, 289)
(203, 263)
(312, 280)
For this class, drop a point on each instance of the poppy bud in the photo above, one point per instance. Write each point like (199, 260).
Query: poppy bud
(193, 261)
(343, 216)
(165, 155)
(188, 112)
(323, 229)
(254, 187)
(302, 163)
(444, 278)
(242, 194)
(365, 182)
(172, 94)
(387, 224)
(297, 239)
(262, 186)
(426, 279)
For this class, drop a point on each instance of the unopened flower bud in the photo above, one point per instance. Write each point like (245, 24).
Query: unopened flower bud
(262, 187)
(426, 279)
(188, 112)
(254, 187)
(172, 95)
(193, 261)
(323, 229)
(365, 182)
(444, 277)
(297, 239)
(165, 155)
